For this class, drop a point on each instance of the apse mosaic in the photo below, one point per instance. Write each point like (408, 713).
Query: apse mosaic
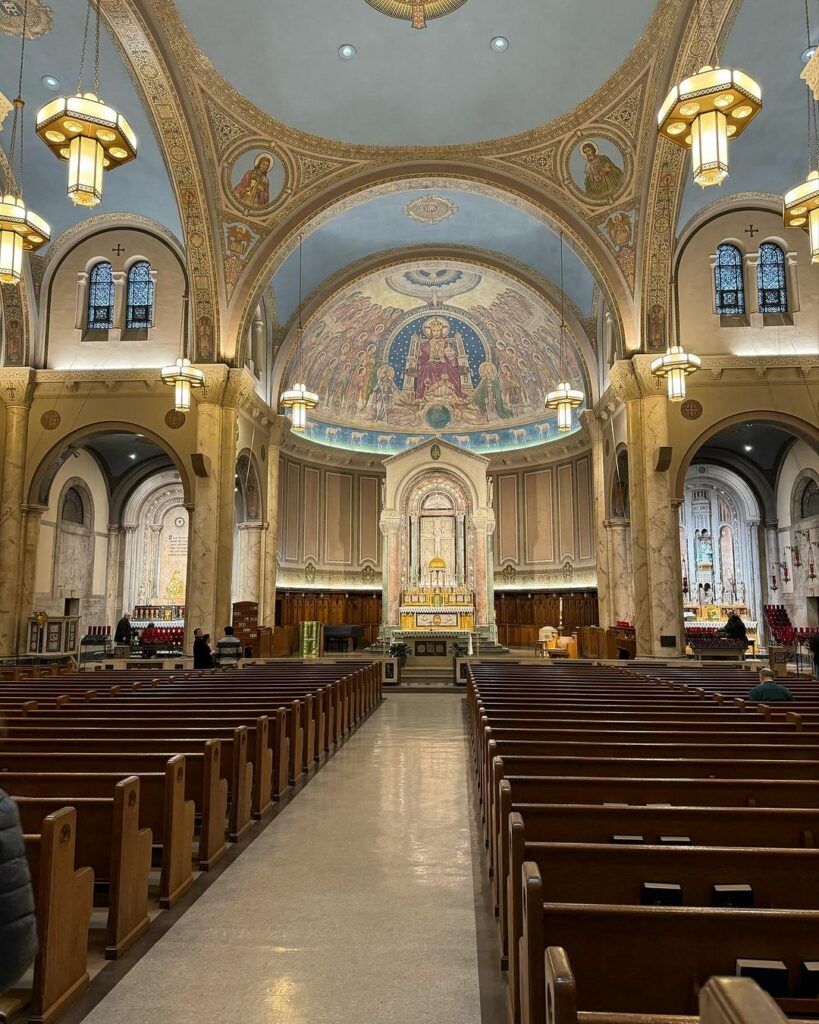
(435, 348)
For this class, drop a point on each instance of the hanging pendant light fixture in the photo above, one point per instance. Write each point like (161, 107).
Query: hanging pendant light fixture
(182, 376)
(801, 204)
(21, 229)
(298, 399)
(675, 365)
(706, 110)
(564, 398)
(91, 135)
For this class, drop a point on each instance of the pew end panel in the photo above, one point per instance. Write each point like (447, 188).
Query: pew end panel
(64, 898)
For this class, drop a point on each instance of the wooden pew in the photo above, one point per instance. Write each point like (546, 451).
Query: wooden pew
(110, 841)
(651, 960)
(63, 897)
(189, 784)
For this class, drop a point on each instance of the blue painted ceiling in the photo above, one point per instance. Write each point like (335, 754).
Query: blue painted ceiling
(407, 87)
(766, 41)
(379, 224)
(141, 187)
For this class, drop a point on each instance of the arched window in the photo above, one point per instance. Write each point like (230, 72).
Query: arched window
(728, 284)
(139, 312)
(809, 503)
(100, 297)
(770, 279)
(73, 510)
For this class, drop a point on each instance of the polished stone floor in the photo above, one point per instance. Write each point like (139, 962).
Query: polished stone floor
(356, 904)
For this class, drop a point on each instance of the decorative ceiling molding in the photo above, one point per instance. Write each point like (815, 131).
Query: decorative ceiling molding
(622, 109)
(142, 54)
(668, 164)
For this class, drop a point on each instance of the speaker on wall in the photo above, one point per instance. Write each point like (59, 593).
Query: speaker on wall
(200, 463)
(662, 458)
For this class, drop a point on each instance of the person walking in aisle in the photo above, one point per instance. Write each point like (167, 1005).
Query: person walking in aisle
(229, 648)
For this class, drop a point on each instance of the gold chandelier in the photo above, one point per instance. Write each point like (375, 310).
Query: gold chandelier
(706, 110)
(564, 398)
(91, 135)
(801, 204)
(21, 229)
(416, 11)
(299, 399)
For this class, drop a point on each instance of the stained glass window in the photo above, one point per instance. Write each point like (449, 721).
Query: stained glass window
(770, 279)
(728, 285)
(139, 312)
(100, 297)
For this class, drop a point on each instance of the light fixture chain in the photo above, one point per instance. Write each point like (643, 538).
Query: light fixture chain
(97, 50)
(84, 47)
(18, 122)
(813, 126)
(300, 328)
(562, 315)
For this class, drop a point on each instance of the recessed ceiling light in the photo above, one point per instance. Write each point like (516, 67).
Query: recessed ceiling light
(51, 82)
(807, 54)
(347, 51)
(497, 44)
(748, 447)
(132, 455)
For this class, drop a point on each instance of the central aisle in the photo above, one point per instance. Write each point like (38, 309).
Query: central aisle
(355, 905)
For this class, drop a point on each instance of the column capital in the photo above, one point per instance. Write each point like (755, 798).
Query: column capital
(33, 511)
(753, 523)
(279, 429)
(17, 387)
(240, 388)
(213, 387)
(253, 525)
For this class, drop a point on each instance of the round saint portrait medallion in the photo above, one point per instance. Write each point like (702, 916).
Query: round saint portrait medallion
(435, 452)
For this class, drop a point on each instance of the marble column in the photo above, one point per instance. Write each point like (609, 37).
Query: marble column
(279, 429)
(223, 608)
(203, 533)
(658, 605)
(16, 392)
(460, 549)
(32, 515)
(594, 427)
(772, 566)
(619, 570)
(753, 596)
(250, 561)
(112, 575)
(128, 573)
(391, 575)
(484, 525)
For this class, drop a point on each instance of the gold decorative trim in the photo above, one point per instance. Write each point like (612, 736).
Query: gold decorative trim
(416, 11)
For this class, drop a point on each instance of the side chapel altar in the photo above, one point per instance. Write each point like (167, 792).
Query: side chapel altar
(437, 524)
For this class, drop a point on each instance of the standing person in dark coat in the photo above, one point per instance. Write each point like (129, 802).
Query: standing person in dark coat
(122, 634)
(18, 926)
(201, 650)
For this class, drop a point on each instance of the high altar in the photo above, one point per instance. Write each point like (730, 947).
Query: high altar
(437, 524)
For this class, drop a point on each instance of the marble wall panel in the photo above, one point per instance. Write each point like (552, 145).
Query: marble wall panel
(292, 516)
(584, 509)
(565, 518)
(312, 509)
(508, 533)
(369, 548)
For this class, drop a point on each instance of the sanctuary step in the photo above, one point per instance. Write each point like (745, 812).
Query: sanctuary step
(422, 675)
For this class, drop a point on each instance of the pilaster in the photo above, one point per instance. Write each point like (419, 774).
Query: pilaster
(32, 516)
(279, 429)
(16, 392)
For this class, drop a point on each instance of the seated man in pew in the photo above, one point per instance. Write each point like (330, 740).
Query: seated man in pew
(768, 688)
(18, 926)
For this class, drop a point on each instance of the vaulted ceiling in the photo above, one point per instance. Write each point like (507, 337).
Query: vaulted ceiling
(406, 87)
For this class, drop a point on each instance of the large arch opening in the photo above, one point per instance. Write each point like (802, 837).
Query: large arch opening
(113, 537)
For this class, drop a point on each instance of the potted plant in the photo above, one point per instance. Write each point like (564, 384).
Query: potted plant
(398, 649)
